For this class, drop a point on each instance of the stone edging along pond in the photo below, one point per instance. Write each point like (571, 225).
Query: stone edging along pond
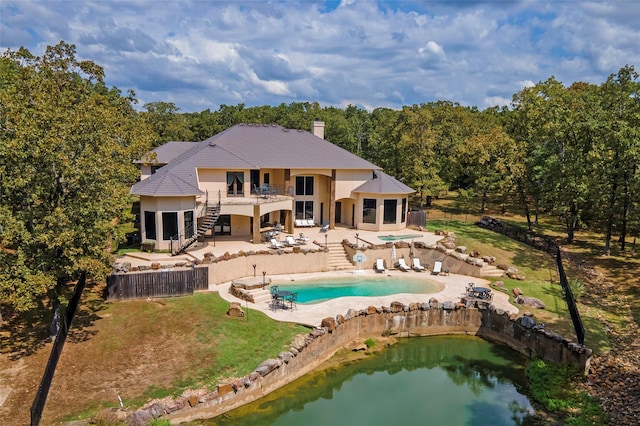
(307, 352)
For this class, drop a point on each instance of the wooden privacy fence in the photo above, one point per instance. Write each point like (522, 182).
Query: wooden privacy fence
(417, 218)
(162, 283)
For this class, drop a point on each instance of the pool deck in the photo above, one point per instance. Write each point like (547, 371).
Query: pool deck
(313, 314)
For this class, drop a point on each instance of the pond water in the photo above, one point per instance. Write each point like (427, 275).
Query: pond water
(322, 289)
(449, 380)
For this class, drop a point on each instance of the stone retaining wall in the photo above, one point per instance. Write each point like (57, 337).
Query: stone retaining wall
(455, 262)
(309, 351)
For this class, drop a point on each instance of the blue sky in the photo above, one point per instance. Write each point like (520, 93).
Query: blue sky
(201, 54)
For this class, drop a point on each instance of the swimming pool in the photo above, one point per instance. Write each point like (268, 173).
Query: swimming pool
(322, 289)
(398, 237)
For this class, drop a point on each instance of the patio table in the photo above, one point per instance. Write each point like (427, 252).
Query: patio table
(282, 296)
(480, 293)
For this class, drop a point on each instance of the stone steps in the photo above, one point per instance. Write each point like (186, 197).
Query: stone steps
(491, 271)
(338, 259)
(261, 295)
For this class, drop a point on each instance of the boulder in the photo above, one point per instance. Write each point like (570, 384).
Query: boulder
(299, 343)
(461, 249)
(489, 259)
(448, 305)
(328, 323)
(397, 307)
(268, 366)
(285, 356)
(530, 301)
(123, 267)
(527, 322)
(449, 244)
(235, 310)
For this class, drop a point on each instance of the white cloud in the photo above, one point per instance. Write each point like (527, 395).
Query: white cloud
(203, 54)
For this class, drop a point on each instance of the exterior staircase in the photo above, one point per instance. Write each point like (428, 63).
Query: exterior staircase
(210, 218)
(491, 271)
(338, 258)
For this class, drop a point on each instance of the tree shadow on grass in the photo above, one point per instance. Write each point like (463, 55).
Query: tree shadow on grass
(25, 333)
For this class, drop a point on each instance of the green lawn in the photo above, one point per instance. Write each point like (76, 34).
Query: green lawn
(541, 281)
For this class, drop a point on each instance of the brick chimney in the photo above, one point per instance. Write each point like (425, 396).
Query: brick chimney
(317, 128)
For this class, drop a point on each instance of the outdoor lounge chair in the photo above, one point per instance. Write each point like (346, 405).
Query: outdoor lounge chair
(402, 265)
(304, 223)
(379, 265)
(275, 244)
(417, 266)
(290, 241)
(437, 267)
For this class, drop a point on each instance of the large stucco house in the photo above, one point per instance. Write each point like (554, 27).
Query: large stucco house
(252, 177)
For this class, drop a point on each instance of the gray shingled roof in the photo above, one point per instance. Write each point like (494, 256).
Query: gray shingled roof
(167, 152)
(254, 146)
(384, 184)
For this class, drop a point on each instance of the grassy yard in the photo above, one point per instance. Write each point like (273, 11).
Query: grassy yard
(611, 295)
(541, 279)
(139, 350)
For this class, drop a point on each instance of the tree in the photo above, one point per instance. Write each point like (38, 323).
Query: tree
(619, 153)
(491, 162)
(66, 149)
(166, 121)
(419, 164)
(560, 133)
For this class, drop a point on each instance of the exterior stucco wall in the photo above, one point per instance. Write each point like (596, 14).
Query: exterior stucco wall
(348, 180)
(214, 180)
(273, 262)
(379, 225)
(160, 205)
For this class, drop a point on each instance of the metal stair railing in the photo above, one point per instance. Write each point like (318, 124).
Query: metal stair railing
(209, 218)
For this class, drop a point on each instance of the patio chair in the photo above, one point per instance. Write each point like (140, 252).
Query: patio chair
(290, 241)
(379, 265)
(402, 265)
(292, 300)
(417, 266)
(274, 296)
(437, 267)
(275, 244)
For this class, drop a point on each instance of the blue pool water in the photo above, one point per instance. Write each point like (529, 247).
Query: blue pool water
(320, 290)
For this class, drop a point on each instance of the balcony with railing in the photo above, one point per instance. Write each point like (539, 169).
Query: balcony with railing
(258, 195)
